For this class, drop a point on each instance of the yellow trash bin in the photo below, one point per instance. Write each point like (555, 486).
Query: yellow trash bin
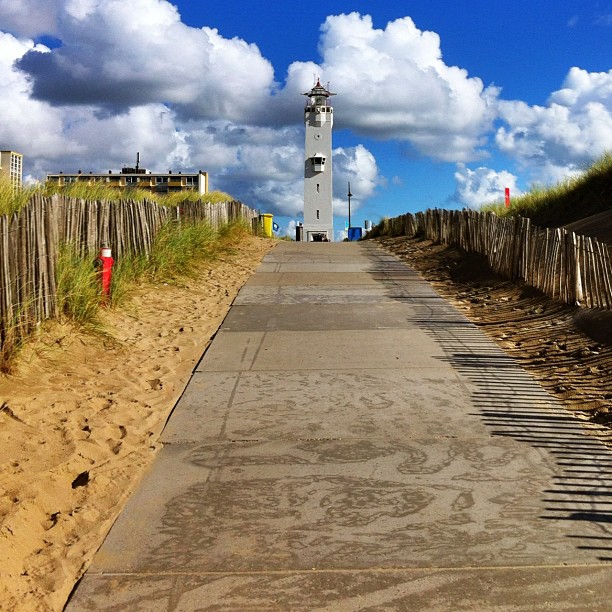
(267, 224)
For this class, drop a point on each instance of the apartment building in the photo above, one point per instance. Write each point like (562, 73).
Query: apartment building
(138, 178)
(11, 167)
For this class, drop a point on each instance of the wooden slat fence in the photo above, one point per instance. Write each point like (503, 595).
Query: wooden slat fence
(30, 240)
(571, 268)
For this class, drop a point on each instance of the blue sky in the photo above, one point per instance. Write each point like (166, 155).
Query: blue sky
(439, 103)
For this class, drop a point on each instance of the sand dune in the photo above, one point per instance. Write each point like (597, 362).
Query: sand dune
(597, 226)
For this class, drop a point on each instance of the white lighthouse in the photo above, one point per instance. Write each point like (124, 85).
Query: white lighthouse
(318, 208)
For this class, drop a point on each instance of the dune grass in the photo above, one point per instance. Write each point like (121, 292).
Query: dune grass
(576, 198)
(102, 191)
(78, 289)
(13, 200)
(13, 333)
(174, 199)
(179, 249)
(94, 191)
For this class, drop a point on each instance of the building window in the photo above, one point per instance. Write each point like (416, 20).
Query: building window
(318, 213)
(318, 163)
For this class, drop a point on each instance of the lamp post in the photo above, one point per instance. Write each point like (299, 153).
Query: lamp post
(349, 204)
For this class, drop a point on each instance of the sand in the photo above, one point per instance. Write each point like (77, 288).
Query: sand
(598, 226)
(80, 419)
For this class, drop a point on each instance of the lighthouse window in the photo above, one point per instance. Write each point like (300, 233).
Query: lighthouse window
(318, 213)
(317, 187)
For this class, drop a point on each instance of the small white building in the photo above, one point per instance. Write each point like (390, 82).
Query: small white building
(318, 208)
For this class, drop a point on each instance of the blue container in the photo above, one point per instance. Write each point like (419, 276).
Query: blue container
(354, 233)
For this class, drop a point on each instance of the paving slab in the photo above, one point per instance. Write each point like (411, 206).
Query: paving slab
(308, 279)
(339, 294)
(316, 350)
(440, 590)
(316, 266)
(350, 441)
(301, 316)
(393, 403)
(349, 504)
(387, 404)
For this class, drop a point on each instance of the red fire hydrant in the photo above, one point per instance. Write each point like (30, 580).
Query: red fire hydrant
(104, 263)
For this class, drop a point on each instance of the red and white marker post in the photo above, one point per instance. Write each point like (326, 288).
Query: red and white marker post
(104, 263)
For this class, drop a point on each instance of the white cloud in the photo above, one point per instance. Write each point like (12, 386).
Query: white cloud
(581, 87)
(30, 18)
(263, 165)
(115, 139)
(110, 58)
(393, 84)
(573, 129)
(289, 230)
(27, 125)
(260, 165)
(273, 180)
(483, 186)
(358, 166)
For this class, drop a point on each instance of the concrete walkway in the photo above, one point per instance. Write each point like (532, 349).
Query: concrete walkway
(351, 442)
